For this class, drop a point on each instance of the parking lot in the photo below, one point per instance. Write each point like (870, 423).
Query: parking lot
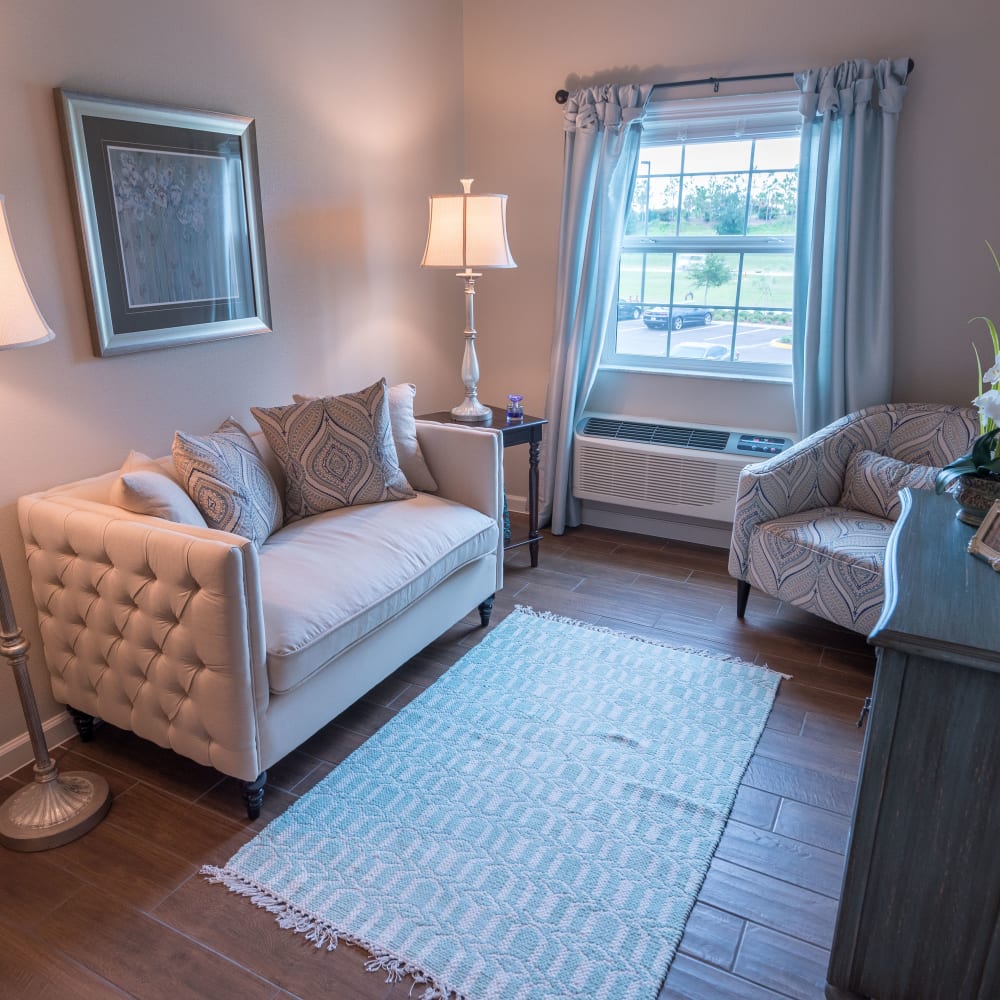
(755, 342)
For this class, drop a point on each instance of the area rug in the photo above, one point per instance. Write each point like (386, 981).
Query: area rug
(537, 824)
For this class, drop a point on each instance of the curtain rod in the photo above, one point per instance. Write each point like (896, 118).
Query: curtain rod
(562, 96)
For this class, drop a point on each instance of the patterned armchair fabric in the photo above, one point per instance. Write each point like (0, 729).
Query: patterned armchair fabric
(793, 540)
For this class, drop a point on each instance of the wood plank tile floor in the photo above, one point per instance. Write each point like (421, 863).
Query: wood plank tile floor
(123, 911)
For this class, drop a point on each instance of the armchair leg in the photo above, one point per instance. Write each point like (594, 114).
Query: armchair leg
(253, 794)
(485, 610)
(742, 593)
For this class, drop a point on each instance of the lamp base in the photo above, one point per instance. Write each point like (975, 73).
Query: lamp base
(53, 811)
(471, 411)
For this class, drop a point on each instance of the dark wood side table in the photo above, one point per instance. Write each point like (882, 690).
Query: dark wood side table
(527, 430)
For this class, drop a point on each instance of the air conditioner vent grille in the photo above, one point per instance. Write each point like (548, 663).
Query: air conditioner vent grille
(700, 438)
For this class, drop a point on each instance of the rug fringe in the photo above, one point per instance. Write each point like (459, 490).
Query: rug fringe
(324, 935)
(566, 620)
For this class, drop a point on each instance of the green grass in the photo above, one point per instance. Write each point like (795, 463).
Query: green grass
(778, 294)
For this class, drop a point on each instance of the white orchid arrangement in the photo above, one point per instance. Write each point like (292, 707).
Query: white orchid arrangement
(984, 457)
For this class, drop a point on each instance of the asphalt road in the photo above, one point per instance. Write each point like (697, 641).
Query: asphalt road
(754, 341)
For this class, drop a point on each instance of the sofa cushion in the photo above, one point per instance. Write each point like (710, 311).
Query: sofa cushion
(225, 476)
(145, 487)
(828, 561)
(872, 483)
(336, 452)
(326, 581)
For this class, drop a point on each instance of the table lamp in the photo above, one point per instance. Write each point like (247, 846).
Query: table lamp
(55, 808)
(468, 231)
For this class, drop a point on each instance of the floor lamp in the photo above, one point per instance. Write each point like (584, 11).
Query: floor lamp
(55, 808)
(468, 231)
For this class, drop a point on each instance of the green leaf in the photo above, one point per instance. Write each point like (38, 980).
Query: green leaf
(978, 461)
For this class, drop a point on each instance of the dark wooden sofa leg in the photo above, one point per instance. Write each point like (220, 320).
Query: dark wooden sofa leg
(742, 593)
(84, 724)
(253, 794)
(485, 610)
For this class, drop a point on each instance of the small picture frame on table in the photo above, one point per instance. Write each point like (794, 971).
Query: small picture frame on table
(169, 218)
(985, 543)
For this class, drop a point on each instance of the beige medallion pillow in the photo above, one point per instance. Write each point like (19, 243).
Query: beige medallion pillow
(336, 451)
(145, 487)
(404, 436)
(872, 483)
(227, 479)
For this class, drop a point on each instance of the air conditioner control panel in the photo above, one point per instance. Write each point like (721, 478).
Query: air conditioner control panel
(760, 444)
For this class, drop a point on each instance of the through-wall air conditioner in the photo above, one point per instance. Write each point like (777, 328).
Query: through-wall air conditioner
(690, 469)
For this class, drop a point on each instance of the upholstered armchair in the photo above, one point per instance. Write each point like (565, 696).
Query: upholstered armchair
(811, 524)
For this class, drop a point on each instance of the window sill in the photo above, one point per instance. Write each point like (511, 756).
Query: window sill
(702, 374)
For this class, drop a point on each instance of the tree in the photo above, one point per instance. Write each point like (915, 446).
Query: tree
(727, 204)
(775, 195)
(712, 272)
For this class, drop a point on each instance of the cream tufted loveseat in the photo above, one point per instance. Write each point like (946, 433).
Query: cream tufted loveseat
(193, 639)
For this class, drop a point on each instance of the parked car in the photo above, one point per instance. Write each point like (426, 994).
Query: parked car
(629, 310)
(660, 317)
(700, 349)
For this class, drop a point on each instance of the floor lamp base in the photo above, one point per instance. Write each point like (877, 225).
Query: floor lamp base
(54, 810)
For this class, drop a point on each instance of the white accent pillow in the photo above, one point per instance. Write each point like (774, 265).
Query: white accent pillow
(404, 436)
(145, 487)
(404, 433)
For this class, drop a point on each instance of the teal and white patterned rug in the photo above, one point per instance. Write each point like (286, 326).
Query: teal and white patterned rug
(537, 824)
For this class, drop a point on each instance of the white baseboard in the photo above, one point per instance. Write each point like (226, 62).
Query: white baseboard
(714, 534)
(15, 753)
(519, 505)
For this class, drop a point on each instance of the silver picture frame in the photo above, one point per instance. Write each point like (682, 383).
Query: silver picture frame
(169, 221)
(985, 543)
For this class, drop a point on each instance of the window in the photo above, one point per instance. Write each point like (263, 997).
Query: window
(705, 274)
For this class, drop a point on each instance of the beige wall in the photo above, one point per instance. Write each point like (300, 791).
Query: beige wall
(359, 117)
(518, 53)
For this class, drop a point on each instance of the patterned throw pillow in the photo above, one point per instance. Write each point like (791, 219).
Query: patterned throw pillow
(404, 436)
(228, 481)
(336, 451)
(872, 483)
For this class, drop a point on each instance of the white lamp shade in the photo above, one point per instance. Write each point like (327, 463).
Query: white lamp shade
(21, 324)
(467, 231)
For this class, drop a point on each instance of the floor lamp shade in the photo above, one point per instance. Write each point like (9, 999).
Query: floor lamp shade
(468, 232)
(55, 808)
(21, 323)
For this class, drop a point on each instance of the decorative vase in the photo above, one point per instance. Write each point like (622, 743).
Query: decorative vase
(974, 493)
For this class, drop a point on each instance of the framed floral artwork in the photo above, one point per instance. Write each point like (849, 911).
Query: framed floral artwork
(170, 224)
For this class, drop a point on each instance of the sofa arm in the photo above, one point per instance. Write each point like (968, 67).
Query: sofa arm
(153, 626)
(467, 463)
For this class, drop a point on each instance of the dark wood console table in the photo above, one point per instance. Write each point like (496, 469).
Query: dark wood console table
(527, 430)
(919, 914)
